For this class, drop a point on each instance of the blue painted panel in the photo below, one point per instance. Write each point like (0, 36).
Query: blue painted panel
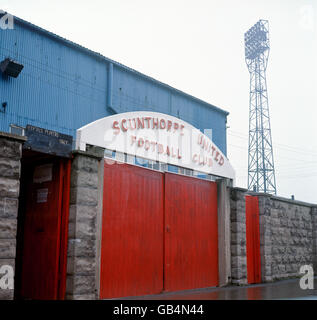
(141, 162)
(172, 168)
(201, 117)
(63, 87)
(59, 88)
(134, 93)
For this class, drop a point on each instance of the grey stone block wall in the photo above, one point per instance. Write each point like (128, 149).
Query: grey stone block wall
(10, 169)
(314, 234)
(286, 239)
(81, 255)
(238, 237)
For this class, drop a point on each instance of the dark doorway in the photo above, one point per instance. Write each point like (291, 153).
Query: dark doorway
(42, 226)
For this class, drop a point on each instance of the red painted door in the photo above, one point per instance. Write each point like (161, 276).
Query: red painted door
(42, 231)
(253, 239)
(191, 233)
(132, 232)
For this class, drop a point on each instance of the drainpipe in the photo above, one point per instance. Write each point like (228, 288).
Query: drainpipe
(110, 88)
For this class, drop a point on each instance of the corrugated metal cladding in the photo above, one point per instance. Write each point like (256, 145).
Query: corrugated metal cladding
(64, 86)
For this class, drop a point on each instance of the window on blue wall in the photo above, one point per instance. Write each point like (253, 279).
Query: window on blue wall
(156, 165)
(120, 156)
(186, 172)
(172, 168)
(141, 162)
(199, 175)
(109, 154)
(18, 130)
(130, 159)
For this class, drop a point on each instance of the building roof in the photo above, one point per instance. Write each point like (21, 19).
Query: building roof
(97, 55)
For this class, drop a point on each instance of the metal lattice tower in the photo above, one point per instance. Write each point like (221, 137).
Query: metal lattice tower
(261, 173)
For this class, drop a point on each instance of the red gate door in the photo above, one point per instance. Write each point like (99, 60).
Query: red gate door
(191, 233)
(43, 255)
(132, 232)
(253, 239)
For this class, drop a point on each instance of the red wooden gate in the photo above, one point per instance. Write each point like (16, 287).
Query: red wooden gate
(132, 233)
(253, 239)
(43, 268)
(191, 233)
(155, 223)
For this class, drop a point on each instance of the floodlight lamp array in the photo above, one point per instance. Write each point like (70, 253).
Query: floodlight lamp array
(256, 40)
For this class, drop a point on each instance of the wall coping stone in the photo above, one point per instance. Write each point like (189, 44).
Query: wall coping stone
(297, 202)
(273, 197)
(11, 136)
(238, 189)
(96, 153)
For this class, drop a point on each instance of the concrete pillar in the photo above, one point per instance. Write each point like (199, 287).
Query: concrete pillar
(10, 170)
(85, 204)
(238, 236)
(224, 256)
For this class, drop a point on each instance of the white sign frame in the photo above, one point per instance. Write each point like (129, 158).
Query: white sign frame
(158, 137)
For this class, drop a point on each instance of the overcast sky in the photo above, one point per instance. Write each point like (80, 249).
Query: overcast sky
(197, 46)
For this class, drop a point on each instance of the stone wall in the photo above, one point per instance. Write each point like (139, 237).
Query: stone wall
(288, 236)
(290, 245)
(238, 236)
(82, 255)
(10, 168)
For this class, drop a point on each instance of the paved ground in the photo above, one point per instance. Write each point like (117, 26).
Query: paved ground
(286, 289)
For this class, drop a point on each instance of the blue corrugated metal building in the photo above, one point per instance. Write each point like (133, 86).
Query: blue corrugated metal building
(64, 86)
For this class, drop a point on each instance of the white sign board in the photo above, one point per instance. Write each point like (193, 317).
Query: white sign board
(159, 137)
(42, 195)
(43, 173)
